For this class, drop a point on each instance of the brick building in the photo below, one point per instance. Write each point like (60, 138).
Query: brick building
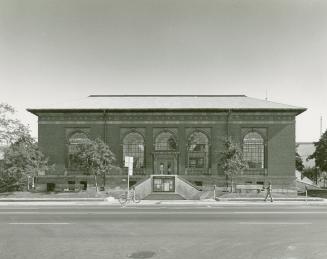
(171, 135)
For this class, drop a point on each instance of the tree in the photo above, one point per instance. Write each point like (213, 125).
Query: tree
(21, 156)
(96, 158)
(320, 154)
(298, 162)
(310, 173)
(11, 129)
(22, 159)
(231, 160)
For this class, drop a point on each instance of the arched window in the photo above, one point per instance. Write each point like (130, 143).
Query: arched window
(133, 145)
(254, 150)
(75, 139)
(198, 150)
(165, 141)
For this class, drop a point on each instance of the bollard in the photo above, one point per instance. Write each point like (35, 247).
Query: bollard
(214, 192)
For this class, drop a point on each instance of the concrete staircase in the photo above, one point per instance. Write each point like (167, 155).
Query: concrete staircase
(184, 190)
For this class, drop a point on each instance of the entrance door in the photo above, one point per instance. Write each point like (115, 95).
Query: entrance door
(165, 166)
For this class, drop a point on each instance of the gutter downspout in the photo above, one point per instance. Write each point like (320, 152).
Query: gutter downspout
(104, 126)
(227, 130)
(105, 141)
(227, 122)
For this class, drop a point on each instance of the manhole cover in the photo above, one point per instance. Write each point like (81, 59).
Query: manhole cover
(142, 254)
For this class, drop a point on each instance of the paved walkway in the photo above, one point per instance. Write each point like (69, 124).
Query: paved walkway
(114, 202)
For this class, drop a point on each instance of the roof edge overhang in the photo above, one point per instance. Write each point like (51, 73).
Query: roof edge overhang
(167, 95)
(36, 112)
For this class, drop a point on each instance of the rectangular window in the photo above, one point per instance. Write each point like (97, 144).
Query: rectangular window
(196, 160)
(83, 185)
(71, 185)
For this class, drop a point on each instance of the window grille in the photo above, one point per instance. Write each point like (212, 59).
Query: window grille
(198, 150)
(75, 140)
(165, 142)
(254, 150)
(133, 145)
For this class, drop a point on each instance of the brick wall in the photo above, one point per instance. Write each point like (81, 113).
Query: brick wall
(280, 138)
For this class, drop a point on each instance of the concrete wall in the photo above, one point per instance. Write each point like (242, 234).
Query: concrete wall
(144, 188)
(186, 190)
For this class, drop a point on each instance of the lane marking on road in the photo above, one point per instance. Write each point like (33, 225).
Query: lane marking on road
(279, 212)
(39, 223)
(275, 223)
(126, 211)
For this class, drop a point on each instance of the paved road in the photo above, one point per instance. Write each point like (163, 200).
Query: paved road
(163, 232)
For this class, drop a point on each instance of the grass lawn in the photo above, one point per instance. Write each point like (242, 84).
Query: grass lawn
(82, 194)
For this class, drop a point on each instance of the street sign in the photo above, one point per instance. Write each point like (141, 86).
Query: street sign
(126, 161)
(130, 170)
(129, 163)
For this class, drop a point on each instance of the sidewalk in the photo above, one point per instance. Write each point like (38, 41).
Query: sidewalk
(165, 203)
(28, 199)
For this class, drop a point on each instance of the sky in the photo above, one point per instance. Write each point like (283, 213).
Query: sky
(54, 51)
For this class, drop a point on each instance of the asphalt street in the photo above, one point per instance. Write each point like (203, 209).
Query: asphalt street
(170, 232)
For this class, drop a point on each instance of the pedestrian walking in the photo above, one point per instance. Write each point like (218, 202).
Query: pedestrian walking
(269, 189)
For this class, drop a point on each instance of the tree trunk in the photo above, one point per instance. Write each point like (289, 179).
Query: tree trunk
(227, 182)
(96, 183)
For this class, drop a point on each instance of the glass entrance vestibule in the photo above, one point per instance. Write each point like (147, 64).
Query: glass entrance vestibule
(163, 184)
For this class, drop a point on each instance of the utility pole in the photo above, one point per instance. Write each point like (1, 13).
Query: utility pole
(320, 126)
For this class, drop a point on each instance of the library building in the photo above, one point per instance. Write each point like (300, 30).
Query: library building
(175, 141)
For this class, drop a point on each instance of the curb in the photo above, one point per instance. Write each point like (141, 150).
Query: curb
(218, 201)
(166, 203)
(49, 199)
(275, 199)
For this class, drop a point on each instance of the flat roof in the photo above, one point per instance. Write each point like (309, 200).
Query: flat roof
(168, 102)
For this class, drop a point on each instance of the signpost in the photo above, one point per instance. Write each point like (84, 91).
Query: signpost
(129, 165)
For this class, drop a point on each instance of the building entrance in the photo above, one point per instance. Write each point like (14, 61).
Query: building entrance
(163, 184)
(165, 164)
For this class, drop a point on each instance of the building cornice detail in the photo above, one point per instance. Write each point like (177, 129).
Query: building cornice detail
(154, 118)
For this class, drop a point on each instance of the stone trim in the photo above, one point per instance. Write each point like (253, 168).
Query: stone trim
(125, 131)
(166, 117)
(63, 122)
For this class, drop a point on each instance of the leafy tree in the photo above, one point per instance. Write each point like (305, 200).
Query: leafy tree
(21, 156)
(320, 154)
(96, 158)
(298, 162)
(11, 129)
(231, 160)
(311, 173)
(22, 159)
